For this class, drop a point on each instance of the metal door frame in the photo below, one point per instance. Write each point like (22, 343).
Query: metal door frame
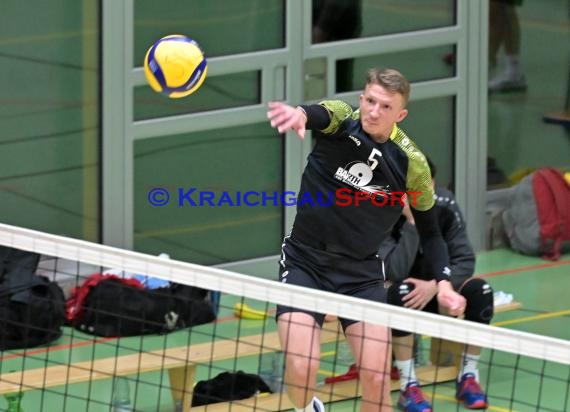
(282, 78)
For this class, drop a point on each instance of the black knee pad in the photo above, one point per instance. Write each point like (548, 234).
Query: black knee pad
(395, 294)
(479, 297)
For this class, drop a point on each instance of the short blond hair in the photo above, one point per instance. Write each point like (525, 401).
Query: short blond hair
(391, 80)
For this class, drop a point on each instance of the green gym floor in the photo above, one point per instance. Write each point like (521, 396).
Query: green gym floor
(539, 285)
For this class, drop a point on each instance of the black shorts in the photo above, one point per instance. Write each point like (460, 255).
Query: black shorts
(312, 267)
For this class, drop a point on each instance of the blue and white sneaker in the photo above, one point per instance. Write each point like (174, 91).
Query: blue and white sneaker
(470, 393)
(412, 399)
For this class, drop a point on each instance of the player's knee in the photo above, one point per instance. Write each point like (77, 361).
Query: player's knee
(396, 293)
(300, 368)
(479, 297)
(373, 378)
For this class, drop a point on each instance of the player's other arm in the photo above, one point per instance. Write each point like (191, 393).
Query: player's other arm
(437, 258)
(422, 206)
(433, 245)
(461, 253)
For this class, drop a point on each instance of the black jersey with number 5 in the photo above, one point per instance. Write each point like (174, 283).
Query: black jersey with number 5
(351, 187)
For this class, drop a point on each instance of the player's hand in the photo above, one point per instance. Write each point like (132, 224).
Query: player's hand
(423, 292)
(450, 302)
(285, 117)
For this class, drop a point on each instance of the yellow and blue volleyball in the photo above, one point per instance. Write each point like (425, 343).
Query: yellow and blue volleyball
(175, 66)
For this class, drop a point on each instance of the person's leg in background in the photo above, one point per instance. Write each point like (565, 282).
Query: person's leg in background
(411, 395)
(479, 296)
(504, 30)
(496, 31)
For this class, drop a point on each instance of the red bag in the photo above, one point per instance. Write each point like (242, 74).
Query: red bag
(552, 195)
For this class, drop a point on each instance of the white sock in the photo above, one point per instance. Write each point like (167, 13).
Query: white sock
(407, 372)
(469, 365)
(513, 67)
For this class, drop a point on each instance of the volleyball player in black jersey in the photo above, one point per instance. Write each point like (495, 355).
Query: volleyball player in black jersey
(333, 247)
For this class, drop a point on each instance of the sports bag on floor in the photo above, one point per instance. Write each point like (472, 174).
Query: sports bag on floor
(537, 221)
(107, 305)
(31, 306)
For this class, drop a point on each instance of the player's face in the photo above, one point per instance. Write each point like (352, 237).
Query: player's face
(380, 109)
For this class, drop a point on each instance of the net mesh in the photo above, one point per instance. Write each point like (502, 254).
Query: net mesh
(168, 369)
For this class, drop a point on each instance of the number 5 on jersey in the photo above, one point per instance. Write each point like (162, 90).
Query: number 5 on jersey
(372, 158)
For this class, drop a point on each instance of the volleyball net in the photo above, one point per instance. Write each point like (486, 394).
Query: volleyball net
(217, 341)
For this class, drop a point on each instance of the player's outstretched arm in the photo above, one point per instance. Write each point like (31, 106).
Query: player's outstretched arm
(284, 117)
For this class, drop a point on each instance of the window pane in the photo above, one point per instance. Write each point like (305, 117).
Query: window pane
(417, 65)
(220, 92)
(430, 124)
(221, 27)
(49, 117)
(348, 19)
(351, 73)
(226, 163)
(529, 88)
